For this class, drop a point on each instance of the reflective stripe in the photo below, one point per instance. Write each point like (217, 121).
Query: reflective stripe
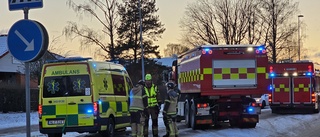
(207, 71)
(261, 70)
(139, 97)
(281, 86)
(152, 95)
(304, 88)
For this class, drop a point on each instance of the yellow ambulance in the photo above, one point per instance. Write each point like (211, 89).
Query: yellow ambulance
(82, 95)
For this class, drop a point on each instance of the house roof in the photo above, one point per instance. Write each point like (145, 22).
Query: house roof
(166, 61)
(3, 45)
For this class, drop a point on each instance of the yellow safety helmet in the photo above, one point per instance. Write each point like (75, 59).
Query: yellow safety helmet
(148, 77)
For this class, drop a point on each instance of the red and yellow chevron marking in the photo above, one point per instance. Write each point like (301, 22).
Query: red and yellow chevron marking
(253, 120)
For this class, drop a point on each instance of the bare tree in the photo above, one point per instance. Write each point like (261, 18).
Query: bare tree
(104, 12)
(221, 21)
(198, 24)
(241, 21)
(278, 14)
(174, 49)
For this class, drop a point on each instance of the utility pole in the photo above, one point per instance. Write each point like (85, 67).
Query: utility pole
(299, 47)
(141, 45)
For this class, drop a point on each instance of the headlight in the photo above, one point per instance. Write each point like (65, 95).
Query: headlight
(257, 99)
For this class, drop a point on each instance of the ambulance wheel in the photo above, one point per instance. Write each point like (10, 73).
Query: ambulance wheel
(193, 120)
(187, 114)
(110, 128)
(55, 135)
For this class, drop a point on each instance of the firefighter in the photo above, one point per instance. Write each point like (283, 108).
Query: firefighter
(170, 111)
(138, 104)
(154, 104)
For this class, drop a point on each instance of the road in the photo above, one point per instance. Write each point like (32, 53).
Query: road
(265, 118)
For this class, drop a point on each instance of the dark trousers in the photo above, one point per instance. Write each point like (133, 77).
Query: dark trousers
(137, 123)
(153, 112)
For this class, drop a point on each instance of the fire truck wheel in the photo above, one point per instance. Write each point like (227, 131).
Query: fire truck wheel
(193, 123)
(250, 125)
(233, 123)
(275, 111)
(179, 118)
(187, 114)
(55, 135)
(316, 111)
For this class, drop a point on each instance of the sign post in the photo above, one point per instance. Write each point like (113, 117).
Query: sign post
(31, 34)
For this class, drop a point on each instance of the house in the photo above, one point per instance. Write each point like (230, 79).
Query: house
(12, 71)
(165, 61)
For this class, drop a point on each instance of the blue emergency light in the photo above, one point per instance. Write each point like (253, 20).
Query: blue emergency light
(272, 74)
(89, 111)
(270, 87)
(250, 109)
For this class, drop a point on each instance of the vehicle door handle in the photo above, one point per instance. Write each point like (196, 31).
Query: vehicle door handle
(81, 100)
(50, 101)
(72, 103)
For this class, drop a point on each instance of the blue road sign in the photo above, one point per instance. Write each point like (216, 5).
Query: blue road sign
(27, 40)
(21, 4)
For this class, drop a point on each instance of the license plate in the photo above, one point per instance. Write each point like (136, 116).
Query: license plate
(55, 122)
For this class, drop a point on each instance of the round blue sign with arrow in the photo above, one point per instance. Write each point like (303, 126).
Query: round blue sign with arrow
(27, 40)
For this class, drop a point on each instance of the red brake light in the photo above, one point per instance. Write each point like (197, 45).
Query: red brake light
(257, 51)
(264, 51)
(270, 69)
(40, 110)
(95, 108)
(202, 105)
(203, 52)
(210, 51)
(253, 104)
(310, 68)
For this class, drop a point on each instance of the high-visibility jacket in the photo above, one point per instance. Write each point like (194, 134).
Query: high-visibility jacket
(170, 103)
(152, 95)
(138, 99)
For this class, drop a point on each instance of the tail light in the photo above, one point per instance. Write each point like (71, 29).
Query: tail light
(270, 97)
(254, 104)
(310, 68)
(313, 98)
(40, 110)
(204, 105)
(95, 109)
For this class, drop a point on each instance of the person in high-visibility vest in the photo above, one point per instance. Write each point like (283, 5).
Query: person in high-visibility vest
(154, 102)
(138, 104)
(170, 111)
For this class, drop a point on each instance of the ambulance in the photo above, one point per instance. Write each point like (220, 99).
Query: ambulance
(82, 95)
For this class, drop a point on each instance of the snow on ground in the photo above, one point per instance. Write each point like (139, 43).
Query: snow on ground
(14, 119)
(282, 125)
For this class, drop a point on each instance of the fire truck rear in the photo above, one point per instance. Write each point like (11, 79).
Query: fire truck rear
(218, 83)
(294, 87)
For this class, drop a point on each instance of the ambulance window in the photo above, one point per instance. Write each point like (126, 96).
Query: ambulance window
(129, 82)
(53, 87)
(119, 85)
(78, 85)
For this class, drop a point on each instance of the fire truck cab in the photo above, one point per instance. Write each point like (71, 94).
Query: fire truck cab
(294, 87)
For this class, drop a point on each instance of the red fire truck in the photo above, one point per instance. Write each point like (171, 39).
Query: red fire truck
(218, 83)
(294, 87)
